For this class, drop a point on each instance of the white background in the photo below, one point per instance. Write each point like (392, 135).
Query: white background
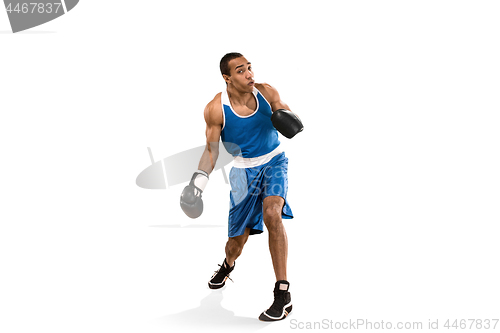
(394, 182)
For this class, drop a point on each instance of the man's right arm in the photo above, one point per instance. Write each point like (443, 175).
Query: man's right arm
(213, 119)
(191, 202)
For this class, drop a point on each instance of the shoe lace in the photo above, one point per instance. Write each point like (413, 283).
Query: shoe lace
(220, 267)
(279, 302)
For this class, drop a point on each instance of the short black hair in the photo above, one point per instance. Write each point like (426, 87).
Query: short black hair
(224, 62)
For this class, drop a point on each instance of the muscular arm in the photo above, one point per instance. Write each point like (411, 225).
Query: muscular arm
(191, 201)
(213, 118)
(272, 96)
(284, 120)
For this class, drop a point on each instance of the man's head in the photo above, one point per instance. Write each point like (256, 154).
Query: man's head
(237, 71)
(224, 62)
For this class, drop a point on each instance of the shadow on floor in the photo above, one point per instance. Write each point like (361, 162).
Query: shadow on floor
(210, 315)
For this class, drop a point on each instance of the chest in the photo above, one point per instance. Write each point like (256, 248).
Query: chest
(246, 109)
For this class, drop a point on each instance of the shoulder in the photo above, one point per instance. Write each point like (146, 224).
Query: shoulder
(269, 92)
(271, 95)
(213, 111)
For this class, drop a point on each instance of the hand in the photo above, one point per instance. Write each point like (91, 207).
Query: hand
(191, 202)
(287, 123)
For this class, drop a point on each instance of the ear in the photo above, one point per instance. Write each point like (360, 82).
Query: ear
(226, 78)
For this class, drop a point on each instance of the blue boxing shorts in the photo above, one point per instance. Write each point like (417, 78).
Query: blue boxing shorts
(249, 188)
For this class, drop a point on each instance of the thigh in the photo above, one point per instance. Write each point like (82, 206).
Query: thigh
(238, 179)
(276, 179)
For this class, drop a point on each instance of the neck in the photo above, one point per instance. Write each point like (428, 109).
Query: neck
(236, 96)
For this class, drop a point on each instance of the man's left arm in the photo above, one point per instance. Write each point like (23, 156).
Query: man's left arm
(284, 120)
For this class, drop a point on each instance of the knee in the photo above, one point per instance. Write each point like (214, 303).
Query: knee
(272, 217)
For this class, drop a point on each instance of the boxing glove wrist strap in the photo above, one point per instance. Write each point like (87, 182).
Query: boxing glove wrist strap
(200, 179)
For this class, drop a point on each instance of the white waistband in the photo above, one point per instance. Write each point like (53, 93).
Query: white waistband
(250, 162)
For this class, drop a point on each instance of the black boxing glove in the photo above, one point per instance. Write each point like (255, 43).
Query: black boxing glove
(191, 202)
(287, 123)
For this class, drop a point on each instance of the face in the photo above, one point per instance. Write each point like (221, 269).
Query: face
(241, 75)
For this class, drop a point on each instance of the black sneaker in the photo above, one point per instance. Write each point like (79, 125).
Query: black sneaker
(282, 305)
(220, 276)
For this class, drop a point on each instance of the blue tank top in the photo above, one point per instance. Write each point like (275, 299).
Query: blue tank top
(248, 136)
